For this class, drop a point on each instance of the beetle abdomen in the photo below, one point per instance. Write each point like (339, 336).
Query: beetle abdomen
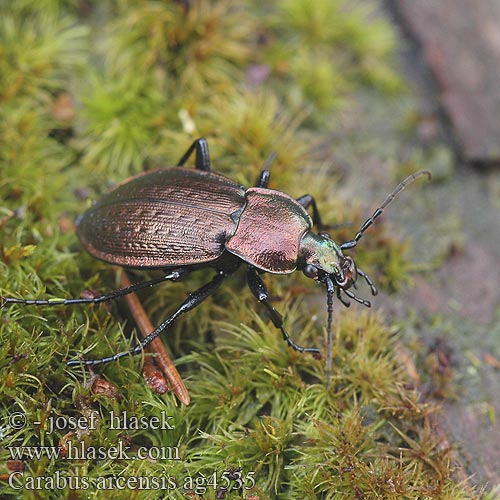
(269, 231)
(163, 218)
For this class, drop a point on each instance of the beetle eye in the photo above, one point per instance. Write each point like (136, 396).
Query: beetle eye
(310, 271)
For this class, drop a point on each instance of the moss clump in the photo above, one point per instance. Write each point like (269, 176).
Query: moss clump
(93, 92)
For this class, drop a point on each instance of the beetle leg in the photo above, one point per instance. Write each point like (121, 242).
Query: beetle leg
(194, 299)
(259, 289)
(263, 180)
(365, 302)
(202, 158)
(308, 201)
(339, 296)
(172, 276)
(264, 177)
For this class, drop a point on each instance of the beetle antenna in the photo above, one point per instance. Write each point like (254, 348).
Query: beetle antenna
(387, 201)
(330, 289)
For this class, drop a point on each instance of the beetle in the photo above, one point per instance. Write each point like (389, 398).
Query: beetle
(180, 219)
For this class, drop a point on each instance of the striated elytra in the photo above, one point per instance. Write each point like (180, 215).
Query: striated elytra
(180, 219)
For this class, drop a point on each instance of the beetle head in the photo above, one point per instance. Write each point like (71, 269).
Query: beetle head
(323, 257)
(324, 261)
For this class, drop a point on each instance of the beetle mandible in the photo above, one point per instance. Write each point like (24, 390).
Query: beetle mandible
(179, 219)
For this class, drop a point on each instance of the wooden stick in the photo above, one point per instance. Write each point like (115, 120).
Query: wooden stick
(162, 358)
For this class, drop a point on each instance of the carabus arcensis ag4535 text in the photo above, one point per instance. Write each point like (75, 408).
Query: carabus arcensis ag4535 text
(180, 219)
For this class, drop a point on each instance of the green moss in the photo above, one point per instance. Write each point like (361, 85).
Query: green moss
(92, 92)
(39, 52)
(324, 50)
(119, 121)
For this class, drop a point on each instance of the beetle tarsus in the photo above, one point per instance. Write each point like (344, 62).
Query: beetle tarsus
(259, 290)
(171, 276)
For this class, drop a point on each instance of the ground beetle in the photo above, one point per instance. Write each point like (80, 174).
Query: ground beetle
(180, 219)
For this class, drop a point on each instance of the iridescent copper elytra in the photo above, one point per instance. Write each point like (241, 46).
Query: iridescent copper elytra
(180, 219)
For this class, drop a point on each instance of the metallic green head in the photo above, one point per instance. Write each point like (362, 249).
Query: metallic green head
(321, 257)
